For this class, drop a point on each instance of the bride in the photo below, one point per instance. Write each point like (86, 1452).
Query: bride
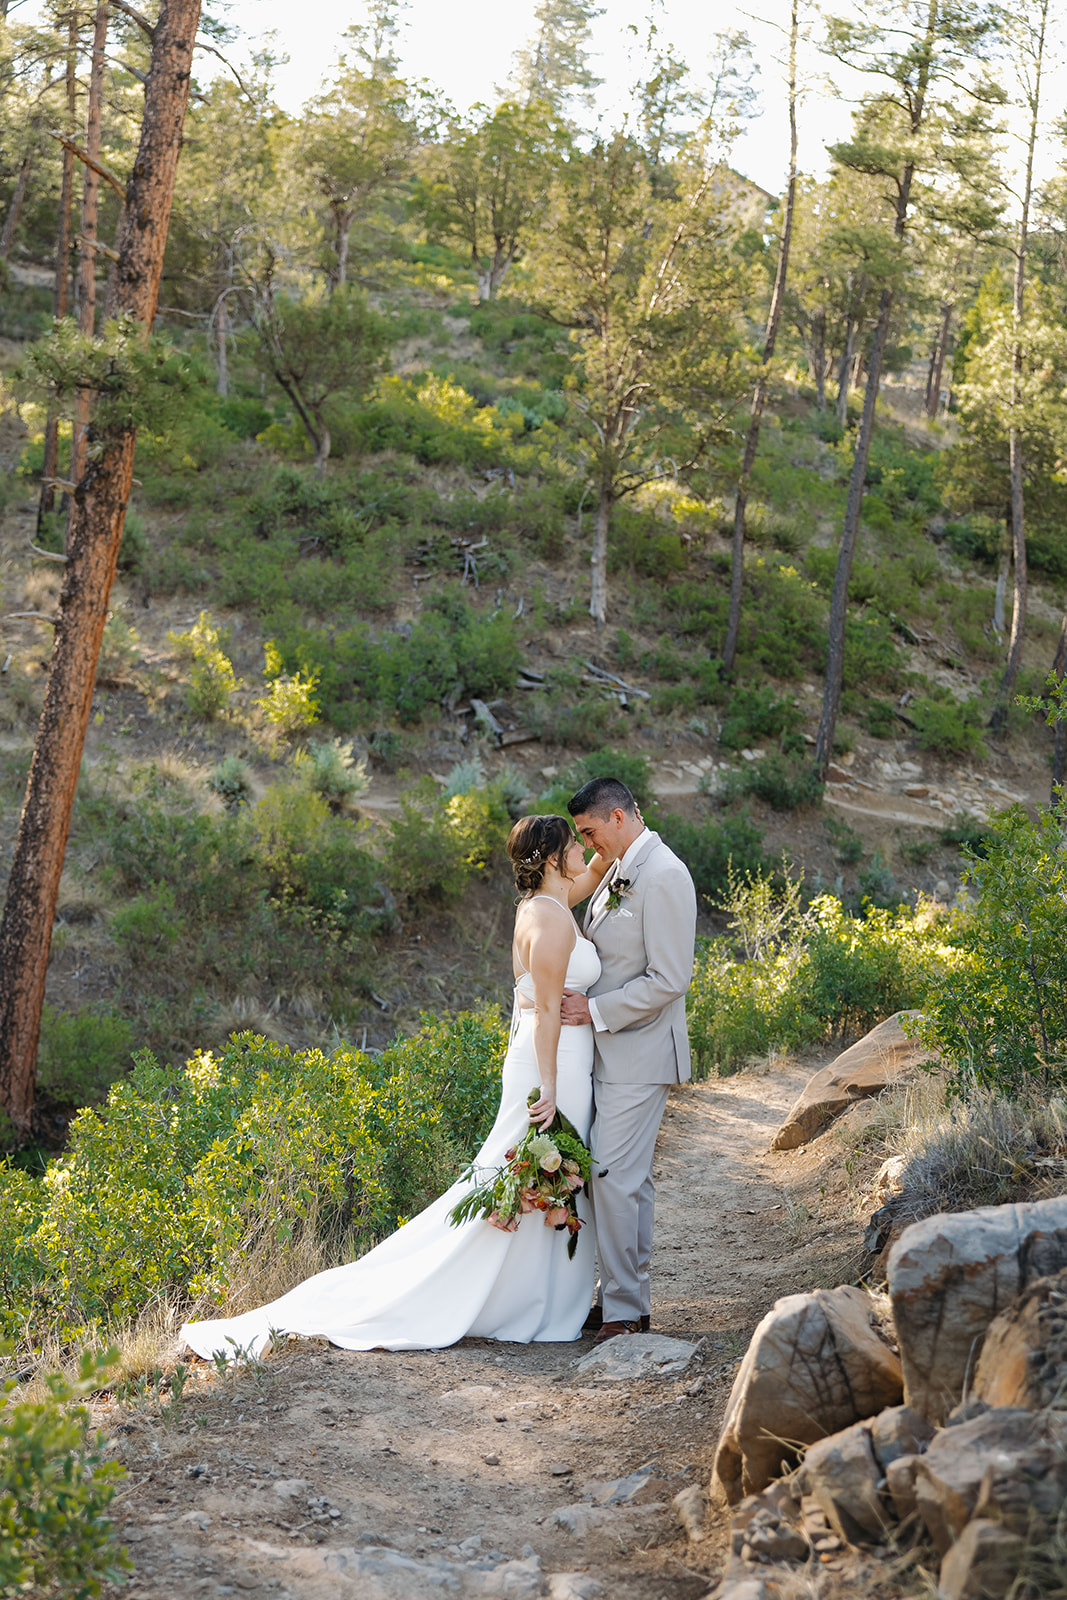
(430, 1283)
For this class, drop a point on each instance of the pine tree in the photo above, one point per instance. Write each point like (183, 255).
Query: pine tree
(554, 66)
(923, 121)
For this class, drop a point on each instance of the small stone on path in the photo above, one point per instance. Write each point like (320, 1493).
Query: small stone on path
(637, 1355)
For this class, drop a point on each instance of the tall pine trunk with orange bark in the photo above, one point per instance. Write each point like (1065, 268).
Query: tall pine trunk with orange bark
(94, 536)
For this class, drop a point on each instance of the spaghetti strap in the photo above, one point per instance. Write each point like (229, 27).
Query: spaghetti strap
(524, 972)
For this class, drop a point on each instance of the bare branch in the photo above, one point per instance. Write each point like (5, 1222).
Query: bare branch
(83, 155)
(49, 555)
(95, 244)
(135, 16)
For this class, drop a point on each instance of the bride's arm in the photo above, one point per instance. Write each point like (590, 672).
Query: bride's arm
(549, 954)
(586, 883)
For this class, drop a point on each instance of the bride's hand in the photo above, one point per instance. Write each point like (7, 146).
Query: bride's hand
(542, 1111)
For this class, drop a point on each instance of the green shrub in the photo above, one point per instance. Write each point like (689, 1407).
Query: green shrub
(231, 780)
(289, 705)
(332, 771)
(451, 650)
(754, 714)
(55, 1490)
(998, 1016)
(948, 726)
(148, 922)
(23, 1203)
(848, 846)
(807, 975)
(708, 848)
(82, 1053)
(163, 1189)
(783, 782)
(425, 857)
(212, 679)
(966, 832)
(862, 969)
(879, 719)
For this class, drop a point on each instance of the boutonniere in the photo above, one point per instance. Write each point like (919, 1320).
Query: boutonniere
(618, 892)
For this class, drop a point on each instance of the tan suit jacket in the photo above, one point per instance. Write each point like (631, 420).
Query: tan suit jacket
(646, 953)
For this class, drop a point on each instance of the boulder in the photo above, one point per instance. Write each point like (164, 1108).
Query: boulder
(982, 1564)
(1024, 1357)
(814, 1366)
(843, 1478)
(847, 1475)
(950, 1476)
(950, 1275)
(882, 1057)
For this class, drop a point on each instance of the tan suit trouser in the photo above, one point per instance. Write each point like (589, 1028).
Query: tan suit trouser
(623, 1138)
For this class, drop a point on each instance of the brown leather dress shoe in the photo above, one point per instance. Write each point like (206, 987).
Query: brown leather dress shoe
(611, 1330)
(595, 1320)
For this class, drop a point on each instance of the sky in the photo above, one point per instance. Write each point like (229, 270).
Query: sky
(464, 47)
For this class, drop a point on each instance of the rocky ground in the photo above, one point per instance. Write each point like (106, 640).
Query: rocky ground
(487, 1469)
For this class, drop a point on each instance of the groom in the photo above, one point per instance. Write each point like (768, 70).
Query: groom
(642, 920)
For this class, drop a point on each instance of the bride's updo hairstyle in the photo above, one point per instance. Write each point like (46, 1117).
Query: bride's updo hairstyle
(534, 842)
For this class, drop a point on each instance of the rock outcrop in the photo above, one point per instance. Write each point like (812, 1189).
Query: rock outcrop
(1024, 1357)
(881, 1058)
(847, 1475)
(951, 1275)
(1006, 1465)
(814, 1366)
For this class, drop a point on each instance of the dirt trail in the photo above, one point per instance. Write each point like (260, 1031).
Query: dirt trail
(393, 1476)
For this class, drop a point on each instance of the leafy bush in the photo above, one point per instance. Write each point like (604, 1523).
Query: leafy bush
(332, 771)
(231, 780)
(783, 782)
(753, 714)
(998, 1016)
(212, 679)
(848, 846)
(289, 705)
(55, 1489)
(708, 848)
(807, 975)
(425, 856)
(82, 1053)
(163, 1188)
(450, 651)
(118, 650)
(949, 726)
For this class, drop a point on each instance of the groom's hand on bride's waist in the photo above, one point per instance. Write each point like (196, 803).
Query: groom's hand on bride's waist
(574, 1010)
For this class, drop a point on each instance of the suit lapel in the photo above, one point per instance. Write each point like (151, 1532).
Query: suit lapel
(598, 904)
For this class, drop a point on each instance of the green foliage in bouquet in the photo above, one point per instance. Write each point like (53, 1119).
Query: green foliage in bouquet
(543, 1172)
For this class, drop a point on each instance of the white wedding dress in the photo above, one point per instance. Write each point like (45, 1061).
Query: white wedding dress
(430, 1283)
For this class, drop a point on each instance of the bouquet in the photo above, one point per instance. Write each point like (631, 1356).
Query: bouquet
(543, 1172)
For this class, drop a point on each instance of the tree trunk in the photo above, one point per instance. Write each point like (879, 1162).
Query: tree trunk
(835, 661)
(61, 282)
(598, 599)
(843, 372)
(937, 360)
(759, 398)
(99, 508)
(90, 203)
(1059, 748)
(818, 351)
(344, 233)
(222, 384)
(1016, 465)
(322, 450)
(999, 596)
(14, 210)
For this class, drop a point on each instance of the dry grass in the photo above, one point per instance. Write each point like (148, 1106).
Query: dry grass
(956, 1155)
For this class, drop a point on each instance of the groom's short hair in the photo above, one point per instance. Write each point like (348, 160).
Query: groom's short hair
(600, 797)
